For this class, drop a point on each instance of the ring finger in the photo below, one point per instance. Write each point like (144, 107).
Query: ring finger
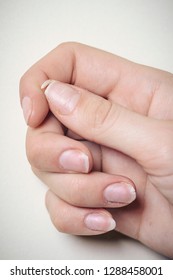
(70, 219)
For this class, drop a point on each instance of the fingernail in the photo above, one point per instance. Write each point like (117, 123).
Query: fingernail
(62, 96)
(46, 83)
(99, 222)
(74, 160)
(122, 193)
(27, 108)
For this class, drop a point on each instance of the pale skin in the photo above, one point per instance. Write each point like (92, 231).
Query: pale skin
(122, 114)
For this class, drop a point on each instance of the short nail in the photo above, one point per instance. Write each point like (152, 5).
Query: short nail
(74, 160)
(27, 108)
(62, 96)
(99, 222)
(122, 193)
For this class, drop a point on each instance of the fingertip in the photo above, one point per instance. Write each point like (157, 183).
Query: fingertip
(78, 220)
(40, 110)
(100, 222)
(34, 110)
(33, 101)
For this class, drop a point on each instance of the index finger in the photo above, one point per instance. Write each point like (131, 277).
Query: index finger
(73, 63)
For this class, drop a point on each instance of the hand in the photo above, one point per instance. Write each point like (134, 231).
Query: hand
(142, 91)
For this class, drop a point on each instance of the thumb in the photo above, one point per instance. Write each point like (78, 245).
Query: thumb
(104, 122)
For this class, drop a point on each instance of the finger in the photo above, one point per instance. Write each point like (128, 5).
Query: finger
(48, 149)
(92, 190)
(144, 223)
(79, 221)
(70, 63)
(34, 104)
(112, 125)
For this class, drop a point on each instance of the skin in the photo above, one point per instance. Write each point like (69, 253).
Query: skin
(130, 141)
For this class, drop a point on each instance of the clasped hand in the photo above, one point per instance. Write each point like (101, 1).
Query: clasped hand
(105, 149)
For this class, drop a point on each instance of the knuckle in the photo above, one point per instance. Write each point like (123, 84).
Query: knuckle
(167, 145)
(76, 195)
(104, 119)
(65, 45)
(165, 148)
(35, 171)
(22, 79)
(69, 45)
(166, 151)
(101, 113)
(24, 83)
(33, 152)
(59, 222)
(58, 213)
(47, 198)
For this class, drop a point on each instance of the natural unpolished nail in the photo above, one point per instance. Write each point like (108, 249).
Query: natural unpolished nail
(63, 97)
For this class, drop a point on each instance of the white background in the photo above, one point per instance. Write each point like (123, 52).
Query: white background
(140, 30)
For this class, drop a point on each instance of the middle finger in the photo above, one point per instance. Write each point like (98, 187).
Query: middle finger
(96, 189)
